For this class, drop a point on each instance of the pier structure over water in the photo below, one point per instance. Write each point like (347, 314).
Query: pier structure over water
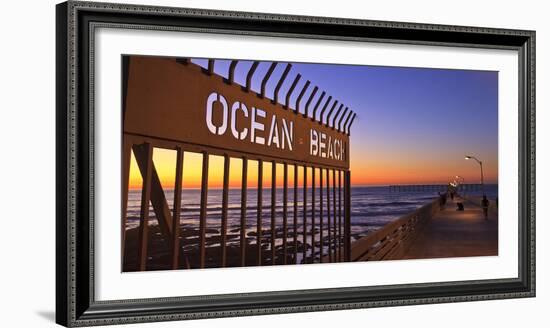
(434, 231)
(434, 187)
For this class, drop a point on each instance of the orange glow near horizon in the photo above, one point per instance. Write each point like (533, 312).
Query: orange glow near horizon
(165, 165)
(372, 171)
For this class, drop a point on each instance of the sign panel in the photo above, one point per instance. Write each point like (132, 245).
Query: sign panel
(184, 103)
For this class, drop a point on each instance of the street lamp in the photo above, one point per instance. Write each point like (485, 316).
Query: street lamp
(467, 157)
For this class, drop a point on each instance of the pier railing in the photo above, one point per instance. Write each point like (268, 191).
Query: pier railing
(392, 240)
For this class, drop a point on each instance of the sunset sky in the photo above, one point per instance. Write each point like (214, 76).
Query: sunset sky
(413, 125)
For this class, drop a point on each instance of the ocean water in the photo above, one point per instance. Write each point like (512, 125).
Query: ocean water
(371, 208)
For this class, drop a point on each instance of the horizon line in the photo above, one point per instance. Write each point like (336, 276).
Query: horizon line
(309, 186)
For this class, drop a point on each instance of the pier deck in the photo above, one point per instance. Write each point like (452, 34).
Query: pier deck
(452, 233)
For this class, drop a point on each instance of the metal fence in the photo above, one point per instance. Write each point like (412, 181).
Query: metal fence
(323, 212)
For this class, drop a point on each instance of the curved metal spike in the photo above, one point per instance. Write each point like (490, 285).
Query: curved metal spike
(350, 123)
(317, 105)
(183, 60)
(331, 110)
(266, 78)
(289, 93)
(297, 109)
(250, 74)
(280, 83)
(324, 108)
(210, 66)
(347, 120)
(231, 75)
(341, 118)
(336, 116)
(309, 100)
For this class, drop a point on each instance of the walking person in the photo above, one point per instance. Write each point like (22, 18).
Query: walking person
(442, 200)
(485, 206)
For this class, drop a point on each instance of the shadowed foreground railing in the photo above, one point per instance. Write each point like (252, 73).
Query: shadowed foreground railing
(392, 241)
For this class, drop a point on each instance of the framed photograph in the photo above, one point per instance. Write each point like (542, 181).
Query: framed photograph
(214, 163)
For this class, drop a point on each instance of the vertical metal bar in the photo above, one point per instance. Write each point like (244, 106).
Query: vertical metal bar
(305, 214)
(312, 214)
(323, 110)
(244, 187)
(350, 123)
(347, 219)
(330, 112)
(280, 83)
(328, 219)
(225, 196)
(306, 112)
(347, 120)
(289, 93)
(340, 257)
(210, 66)
(321, 233)
(182, 60)
(177, 209)
(143, 232)
(127, 158)
(341, 118)
(250, 74)
(336, 116)
(300, 96)
(203, 208)
(317, 105)
(295, 214)
(334, 219)
(266, 78)
(285, 208)
(259, 214)
(273, 203)
(231, 75)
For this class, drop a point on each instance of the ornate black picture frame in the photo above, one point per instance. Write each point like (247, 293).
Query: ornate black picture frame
(75, 301)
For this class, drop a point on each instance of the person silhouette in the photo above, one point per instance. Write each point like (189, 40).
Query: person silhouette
(485, 206)
(442, 200)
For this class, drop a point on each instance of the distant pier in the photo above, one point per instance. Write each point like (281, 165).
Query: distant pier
(434, 188)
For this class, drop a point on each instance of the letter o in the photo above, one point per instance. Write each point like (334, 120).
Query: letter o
(213, 97)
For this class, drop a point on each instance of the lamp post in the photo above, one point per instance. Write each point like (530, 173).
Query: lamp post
(467, 157)
(461, 181)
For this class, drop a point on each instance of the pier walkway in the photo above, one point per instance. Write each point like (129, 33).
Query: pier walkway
(452, 233)
(433, 232)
